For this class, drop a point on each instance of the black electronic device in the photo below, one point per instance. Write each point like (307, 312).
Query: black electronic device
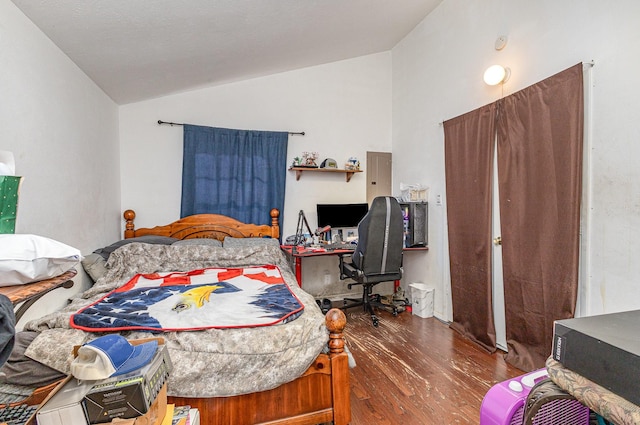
(604, 349)
(415, 215)
(339, 246)
(341, 215)
(17, 414)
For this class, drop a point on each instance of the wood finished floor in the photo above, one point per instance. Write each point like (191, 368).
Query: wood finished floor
(415, 371)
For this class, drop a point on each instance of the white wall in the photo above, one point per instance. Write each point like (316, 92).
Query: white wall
(437, 75)
(62, 130)
(344, 108)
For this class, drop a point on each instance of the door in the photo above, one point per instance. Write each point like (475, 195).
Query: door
(497, 282)
(378, 175)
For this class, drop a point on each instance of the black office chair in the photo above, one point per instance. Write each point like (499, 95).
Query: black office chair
(378, 255)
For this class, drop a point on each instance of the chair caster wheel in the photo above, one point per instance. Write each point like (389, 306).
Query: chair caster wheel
(375, 323)
(395, 312)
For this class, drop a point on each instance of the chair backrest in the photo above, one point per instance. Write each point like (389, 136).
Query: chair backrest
(380, 238)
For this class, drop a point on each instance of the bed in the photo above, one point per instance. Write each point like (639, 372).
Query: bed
(291, 373)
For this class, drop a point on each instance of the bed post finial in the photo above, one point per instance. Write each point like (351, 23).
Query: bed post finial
(336, 321)
(129, 216)
(275, 215)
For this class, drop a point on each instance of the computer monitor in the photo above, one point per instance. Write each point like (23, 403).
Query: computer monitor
(341, 215)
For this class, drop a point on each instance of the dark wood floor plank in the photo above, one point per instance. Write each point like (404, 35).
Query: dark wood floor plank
(415, 371)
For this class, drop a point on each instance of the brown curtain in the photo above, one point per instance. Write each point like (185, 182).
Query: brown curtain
(469, 145)
(540, 133)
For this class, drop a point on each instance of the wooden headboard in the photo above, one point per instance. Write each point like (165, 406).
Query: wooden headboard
(213, 226)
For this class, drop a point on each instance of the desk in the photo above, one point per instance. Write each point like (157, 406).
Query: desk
(29, 293)
(308, 252)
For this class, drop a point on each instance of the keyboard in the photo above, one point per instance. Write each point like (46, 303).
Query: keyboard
(17, 414)
(349, 246)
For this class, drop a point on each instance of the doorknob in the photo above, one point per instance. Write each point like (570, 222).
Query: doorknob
(497, 240)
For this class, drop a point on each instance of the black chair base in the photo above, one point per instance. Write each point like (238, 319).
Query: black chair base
(367, 307)
(369, 302)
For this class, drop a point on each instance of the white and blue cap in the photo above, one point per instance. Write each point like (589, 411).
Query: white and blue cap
(111, 355)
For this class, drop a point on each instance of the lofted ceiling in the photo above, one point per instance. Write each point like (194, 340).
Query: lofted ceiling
(142, 49)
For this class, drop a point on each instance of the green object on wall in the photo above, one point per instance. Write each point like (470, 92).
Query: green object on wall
(9, 186)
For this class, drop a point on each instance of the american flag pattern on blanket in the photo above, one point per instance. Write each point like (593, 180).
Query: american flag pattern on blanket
(193, 300)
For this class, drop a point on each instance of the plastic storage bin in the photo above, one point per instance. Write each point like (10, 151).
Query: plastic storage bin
(421, 299)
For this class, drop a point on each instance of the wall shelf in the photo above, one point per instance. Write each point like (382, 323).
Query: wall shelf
(300, 170)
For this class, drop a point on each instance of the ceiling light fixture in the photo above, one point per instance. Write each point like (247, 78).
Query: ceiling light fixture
(496, 74)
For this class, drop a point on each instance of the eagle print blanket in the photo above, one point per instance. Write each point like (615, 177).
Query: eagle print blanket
(193, 300)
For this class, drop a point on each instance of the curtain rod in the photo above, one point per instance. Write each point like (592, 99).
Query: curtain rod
(293, 133)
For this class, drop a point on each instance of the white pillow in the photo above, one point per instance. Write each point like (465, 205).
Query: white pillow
(29, 258)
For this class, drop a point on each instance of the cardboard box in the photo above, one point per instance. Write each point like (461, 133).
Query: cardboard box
(9, 188)
(130, 395)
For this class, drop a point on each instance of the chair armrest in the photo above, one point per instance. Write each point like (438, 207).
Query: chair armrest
(341, 266)
(347, 270)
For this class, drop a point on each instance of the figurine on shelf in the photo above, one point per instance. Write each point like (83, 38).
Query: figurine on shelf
(309, 159)
(352, 164)
(297, 161)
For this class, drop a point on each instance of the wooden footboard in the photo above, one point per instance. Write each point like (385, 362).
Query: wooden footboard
(320, 395)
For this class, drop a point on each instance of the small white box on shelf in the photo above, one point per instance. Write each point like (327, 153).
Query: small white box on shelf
(414, 193)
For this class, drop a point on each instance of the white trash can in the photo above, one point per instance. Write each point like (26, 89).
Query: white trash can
(421, 299)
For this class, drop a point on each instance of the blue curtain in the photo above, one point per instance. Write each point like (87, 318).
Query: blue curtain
(238, 173)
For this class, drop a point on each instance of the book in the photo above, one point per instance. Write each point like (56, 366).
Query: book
(181, 415)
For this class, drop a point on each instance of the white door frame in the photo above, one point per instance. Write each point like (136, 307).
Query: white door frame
(497, 278)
